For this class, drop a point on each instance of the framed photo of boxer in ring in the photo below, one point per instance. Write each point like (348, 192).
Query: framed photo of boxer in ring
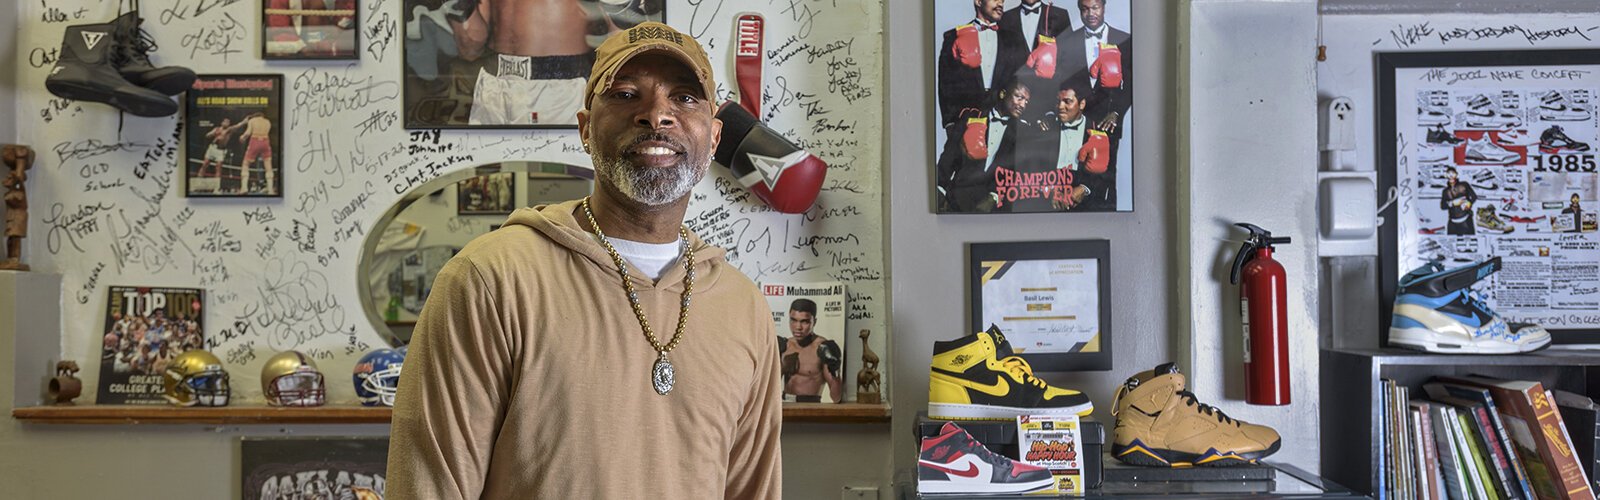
(232, 127)
(1033, 106)
(310, 29)
(506, 64)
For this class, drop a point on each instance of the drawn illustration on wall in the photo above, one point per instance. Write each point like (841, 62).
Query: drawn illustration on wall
(299, 468)
(310, 29)
(232, 128)
(809, 319)
(472, 64)
(145, 329)
(492, 194)
(1033, 106)
(1493, 156)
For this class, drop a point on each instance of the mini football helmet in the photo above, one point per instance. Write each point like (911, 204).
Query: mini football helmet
(195, 378)
(377, 377)
(292, 379)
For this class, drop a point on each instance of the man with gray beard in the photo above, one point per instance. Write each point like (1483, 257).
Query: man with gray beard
(589, 340)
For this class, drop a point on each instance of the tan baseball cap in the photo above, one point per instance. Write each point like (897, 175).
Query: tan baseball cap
(646, 37)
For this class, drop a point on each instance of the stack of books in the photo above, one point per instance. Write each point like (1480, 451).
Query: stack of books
(1482, 438)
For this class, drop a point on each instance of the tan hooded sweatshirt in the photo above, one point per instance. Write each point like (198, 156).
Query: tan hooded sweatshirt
(528, 377)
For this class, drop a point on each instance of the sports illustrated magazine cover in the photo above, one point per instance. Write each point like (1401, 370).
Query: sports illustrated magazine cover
(1034, 103)
(233, 136)
(810, 323)
(307, 468)
(145, 328)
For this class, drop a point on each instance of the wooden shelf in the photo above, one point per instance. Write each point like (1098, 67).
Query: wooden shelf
(234, 415)
(836, 413)
(134, 414)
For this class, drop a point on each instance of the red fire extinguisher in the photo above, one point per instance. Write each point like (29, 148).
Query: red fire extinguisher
(1263, 308)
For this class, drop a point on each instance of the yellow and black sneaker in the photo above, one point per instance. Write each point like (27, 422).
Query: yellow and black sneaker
(978, 377)
(1160, 424)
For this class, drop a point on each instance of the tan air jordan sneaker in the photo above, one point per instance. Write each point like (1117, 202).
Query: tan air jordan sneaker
(1160, 424)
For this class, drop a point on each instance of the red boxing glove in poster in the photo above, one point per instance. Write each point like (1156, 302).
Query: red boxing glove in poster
(966, 48)
(1043, 58)
(1095, 156)
(975, 140)
(784, 176)
(1107, 69)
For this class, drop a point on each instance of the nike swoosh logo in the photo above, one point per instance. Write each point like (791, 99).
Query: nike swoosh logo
(972, 469)
(998, 389)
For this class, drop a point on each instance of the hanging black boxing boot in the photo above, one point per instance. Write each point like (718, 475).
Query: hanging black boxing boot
(86, 71)
(133, 59)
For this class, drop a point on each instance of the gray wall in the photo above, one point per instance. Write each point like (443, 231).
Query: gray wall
(927, 251)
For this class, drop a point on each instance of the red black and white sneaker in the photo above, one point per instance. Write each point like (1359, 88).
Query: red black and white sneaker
(954, 462)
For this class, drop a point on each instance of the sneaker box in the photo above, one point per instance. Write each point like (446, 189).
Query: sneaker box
(1000, 436)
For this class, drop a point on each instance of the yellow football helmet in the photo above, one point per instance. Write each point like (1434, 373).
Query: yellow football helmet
(291, 379)
(195, 378)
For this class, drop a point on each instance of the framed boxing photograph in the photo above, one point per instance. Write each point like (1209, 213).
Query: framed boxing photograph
(1490, 156)
(1033, 106)
(232, 127)
(1051, 300)
(318, 467)
(497, 65)
(310, 29)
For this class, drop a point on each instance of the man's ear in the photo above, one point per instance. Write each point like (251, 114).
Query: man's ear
(583, 126)
(716, 134)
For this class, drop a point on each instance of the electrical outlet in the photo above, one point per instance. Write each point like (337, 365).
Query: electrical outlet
(859, 493)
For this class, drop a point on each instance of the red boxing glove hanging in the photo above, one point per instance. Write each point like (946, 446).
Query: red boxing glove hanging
(966, 48)
(784, 176)
(1107, 69)
(1095, 156)
(747, 61)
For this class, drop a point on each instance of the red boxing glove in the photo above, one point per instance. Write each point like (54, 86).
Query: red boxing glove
(976, 139)
(1043, 58)
(1095, 156)
(1107, 68)
(784, 176)
(966, 46)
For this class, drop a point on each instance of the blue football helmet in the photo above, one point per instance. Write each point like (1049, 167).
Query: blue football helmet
(377, 377)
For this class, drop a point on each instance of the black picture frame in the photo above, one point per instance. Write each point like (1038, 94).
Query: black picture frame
(445, 100)
(344, 46)
(1389, 163)
(1098, 251)
(988, 159)
(203, 114)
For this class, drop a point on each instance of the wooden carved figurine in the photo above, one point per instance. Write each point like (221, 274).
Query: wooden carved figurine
(20, 159)
(868, 390)
(65, 387)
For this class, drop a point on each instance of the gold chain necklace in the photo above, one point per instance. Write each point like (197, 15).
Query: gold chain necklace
(662, 375)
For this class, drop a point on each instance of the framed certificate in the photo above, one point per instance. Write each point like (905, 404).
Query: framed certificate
(1049, 298)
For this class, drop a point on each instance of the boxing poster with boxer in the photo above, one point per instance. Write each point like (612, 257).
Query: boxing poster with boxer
(507, 63)
(233, 132)
(810, 321)
(1032, 107)
(310, 29)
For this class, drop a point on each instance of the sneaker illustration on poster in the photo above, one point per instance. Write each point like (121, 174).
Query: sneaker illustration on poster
(1436, 310)
(1554, 140)
(1429, 114)
(1438, 135)
(1482, 151)
(1554, 107)
(954, 462)
(1489, 220)
(1483, 113)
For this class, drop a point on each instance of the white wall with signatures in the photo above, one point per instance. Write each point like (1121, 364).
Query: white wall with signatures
(108, 206)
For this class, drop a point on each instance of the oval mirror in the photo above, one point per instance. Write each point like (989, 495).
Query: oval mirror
(430, 223)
